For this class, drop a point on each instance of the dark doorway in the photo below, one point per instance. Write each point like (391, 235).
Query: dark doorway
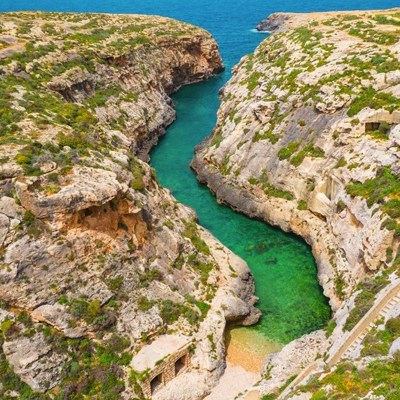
(156, 383)
(180, 365)
(372, 126)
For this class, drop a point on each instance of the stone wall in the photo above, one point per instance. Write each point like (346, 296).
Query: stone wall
(166, 371)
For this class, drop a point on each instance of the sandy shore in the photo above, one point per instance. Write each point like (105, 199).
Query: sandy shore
(246, 352)
(234, 381)
(248, 348)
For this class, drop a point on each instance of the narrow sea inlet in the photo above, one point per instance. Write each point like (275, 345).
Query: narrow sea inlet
(291, 299)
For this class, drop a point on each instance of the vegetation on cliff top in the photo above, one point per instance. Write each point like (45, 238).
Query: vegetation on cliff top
(312, 117)
(309, 70)
(48, 57)
(77, 94)
(285, 97)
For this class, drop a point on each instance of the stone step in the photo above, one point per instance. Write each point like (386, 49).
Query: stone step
(381, 314)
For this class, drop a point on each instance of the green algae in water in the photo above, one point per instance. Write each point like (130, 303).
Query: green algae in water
(286, 283)
(284, 269)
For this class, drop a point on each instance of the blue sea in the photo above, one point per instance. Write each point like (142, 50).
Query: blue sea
(230, 21)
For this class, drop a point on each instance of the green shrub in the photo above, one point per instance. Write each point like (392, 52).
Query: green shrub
(28, 218)
(376, 190)
(339, 286)
(73, 141)
(100, 96)
(392, 208)
(302, 205)
(22, 159)
(5, 326)
(375, 350)
(270, 396)
(369, 97)
(202, 267)
(216, 138)
(192, 233)
(308, 150)
(330, 328)
(384, 20)
(341, 163)
(271, 137)
(365, 299)
(117, 344)
(137, 171)
(89, 312)
(116, 283)
(144, 304)
(320, 395)
(286, 152)
(75, 116)
(170, 312)
(253, 80)
(393, 325)
(150, 275)
(51, 189)
(96, 35)
(203, 307)
(374, 36)
(268, 188)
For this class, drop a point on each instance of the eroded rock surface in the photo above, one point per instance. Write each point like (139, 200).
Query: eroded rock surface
(307, 139)
(296, 134)
(96, 258)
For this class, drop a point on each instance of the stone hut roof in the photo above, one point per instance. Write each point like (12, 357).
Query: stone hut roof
(160, 349)
(383, 116)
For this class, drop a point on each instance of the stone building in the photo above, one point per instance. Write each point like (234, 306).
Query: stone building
(381, 118)
(161, 361)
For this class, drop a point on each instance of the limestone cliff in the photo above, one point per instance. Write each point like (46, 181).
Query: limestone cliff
(96, 259)
(307, 138)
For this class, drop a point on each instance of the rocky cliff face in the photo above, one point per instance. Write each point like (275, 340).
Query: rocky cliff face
(307, 139)
(305, 128)
(96, 258)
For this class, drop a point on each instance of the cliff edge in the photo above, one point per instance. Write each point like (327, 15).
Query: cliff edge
(307, 139)
(96, 259)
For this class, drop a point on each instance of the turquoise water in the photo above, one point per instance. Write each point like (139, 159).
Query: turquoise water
(284, 269)
(282, 264)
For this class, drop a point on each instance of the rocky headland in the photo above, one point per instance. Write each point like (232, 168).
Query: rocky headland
(96, 259)
(307, 139)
